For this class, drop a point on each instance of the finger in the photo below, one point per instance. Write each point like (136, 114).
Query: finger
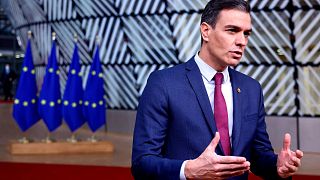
(286, 175)
(231, 160)
(299, 154)
(291, 168)
(229, 174)
(232, 167)
(213, 144)
(286, 142)
(295, 161)
(283, 170)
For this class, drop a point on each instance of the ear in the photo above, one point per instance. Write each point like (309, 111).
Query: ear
(205, 30)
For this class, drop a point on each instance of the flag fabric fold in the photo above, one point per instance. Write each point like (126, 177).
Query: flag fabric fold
(73, 95)
(50, 95)
(25, 108)
(94, 104)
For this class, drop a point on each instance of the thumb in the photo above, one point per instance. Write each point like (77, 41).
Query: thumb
(213, 144)
(286, 142)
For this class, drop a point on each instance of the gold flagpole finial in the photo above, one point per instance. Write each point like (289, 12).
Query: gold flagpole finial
(29, 34)
(98, 40)
(75, 37)
(54, 36)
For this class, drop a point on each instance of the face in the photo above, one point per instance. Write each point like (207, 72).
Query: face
(224, 44)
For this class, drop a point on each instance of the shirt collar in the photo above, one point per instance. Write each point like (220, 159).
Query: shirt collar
(208, 72)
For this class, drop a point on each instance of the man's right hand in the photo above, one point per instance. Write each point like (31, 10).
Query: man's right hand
(209, 165)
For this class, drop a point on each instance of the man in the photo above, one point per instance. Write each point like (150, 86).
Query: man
(204, 120)
(7, 78)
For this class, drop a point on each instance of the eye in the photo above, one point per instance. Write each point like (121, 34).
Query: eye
(232, 30)
(247, 34)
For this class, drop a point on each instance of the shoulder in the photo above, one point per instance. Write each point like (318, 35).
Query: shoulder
(170, 70)
(171, 73)
(165, 77)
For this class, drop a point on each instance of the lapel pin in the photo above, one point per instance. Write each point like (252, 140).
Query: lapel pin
(238, 90)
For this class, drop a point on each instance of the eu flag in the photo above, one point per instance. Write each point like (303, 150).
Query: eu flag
(94, 104)
(50, 96)
(25, 110)
(73, 95)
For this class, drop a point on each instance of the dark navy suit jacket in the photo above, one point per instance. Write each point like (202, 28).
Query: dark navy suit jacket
(175, 122)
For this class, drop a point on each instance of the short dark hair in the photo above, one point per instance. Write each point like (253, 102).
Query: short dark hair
(214, 7)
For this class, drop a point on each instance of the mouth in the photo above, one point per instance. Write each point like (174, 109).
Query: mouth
(236, 54)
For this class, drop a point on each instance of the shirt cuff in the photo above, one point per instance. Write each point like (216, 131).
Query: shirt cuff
(182, 176)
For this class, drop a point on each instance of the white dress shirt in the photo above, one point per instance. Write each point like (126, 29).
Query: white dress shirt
(207, 73)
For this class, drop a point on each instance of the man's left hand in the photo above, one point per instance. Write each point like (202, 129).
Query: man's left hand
(288, 161)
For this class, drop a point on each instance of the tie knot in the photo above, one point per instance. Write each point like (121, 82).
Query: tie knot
(218, 78)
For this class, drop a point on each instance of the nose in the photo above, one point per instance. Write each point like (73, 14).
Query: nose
(241, 40)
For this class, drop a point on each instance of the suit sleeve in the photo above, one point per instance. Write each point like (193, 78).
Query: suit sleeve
(264, 160)
(150, 133)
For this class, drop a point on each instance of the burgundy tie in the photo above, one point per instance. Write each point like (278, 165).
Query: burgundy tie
(221, 114)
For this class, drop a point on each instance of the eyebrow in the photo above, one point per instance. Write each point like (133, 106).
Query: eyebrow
(238, 28)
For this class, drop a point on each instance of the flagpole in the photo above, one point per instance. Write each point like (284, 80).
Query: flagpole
(54, 36)
(93, 137)
(98, 40)
(48, 139)
(73, 138)
(25, 139)
(29, 34)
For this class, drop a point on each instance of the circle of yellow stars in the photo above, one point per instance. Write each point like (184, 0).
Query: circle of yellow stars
(65, 103)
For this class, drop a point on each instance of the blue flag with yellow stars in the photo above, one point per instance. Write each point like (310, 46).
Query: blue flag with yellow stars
(94, 103)
(50, 95)
(25, 108)
(73, 95)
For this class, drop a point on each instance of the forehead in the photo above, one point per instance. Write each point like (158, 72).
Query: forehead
(233, 17)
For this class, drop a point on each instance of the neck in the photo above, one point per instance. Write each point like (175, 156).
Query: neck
(211, 61)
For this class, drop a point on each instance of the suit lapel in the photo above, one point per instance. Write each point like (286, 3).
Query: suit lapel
(195, 79)
(237, 97)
